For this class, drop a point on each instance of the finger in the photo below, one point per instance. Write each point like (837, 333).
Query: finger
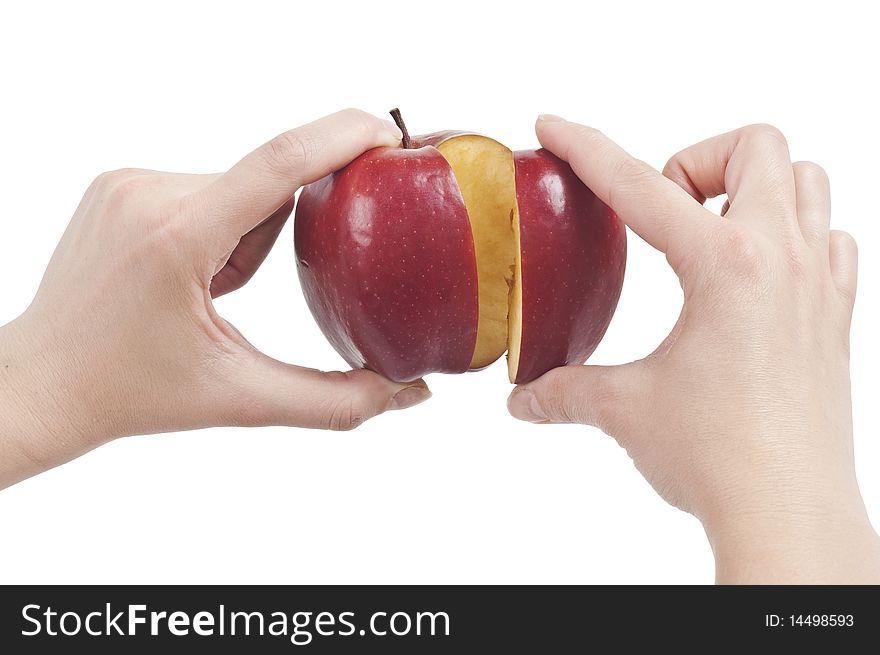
(269, 176)
(602, 396)
(844, 258)
(250, 253)
(652, 206)
(813, 197)
(273, 393)
(751, 165)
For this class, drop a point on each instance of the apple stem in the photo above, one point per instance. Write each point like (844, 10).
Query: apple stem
(398, 119)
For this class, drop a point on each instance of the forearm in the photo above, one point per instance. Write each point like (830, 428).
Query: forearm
(41, 423)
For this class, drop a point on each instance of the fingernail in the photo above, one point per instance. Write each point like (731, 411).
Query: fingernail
(393, 130)
(524, 405)
(551, 118)
(410, 396)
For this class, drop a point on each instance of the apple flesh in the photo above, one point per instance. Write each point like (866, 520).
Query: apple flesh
(442, 255)
(484, 171)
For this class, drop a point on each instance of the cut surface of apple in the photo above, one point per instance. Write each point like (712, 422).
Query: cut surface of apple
(514, 314)
(484, 171)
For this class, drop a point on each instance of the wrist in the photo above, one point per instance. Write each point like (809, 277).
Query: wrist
(803, 543)
(43, 420)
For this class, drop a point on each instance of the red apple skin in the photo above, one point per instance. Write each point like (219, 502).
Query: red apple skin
(573, 259)
(386, 259)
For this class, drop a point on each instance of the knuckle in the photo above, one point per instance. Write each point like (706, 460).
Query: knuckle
(365, 124)
(635, 180)
(739, 251)
(811, 172)
(607, 399)
(845, 238)
(291, 151)
(110, 179)
(354, 114)
(674, 168)
(124, 192)
(345, 415)
(847, 247)
(102, 179)
(587, 395)
(633, 172)
(126, 188)
(562, 396)
(554, 391)
(586, 135)
(336, 377)
(118, 175)
(351, 409)
(765, 133)
(630, 176)
(678, 170)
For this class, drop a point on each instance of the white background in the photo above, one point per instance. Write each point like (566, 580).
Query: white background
(454, 490)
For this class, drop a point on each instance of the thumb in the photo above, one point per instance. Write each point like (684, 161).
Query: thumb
(601, 396)
(283, 394)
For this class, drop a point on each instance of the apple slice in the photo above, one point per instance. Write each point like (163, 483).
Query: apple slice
(484, 171)
(386, 260)
(549, 255)
(571, 255)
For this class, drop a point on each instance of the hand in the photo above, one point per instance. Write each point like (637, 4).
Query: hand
(122, 337)
(742, 416)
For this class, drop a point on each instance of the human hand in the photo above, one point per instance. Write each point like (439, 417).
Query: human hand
(122, 337)
(742, 416)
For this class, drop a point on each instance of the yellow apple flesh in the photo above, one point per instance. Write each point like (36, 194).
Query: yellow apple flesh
(484, 171)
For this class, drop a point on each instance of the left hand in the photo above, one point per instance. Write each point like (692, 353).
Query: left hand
(122, 337)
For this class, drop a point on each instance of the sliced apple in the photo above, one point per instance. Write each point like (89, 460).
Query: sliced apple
(570, 260)
(485, 174)
(441, 254)
(386, 259)
(549, 256)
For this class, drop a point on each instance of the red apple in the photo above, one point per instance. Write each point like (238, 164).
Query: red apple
(386, 260)
(572, 255)
(441, 254)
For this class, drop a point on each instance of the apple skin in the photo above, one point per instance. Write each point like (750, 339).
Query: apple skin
(573, 250)
(387, 264)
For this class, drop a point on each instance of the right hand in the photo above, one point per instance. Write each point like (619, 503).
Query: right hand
(742, 416)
